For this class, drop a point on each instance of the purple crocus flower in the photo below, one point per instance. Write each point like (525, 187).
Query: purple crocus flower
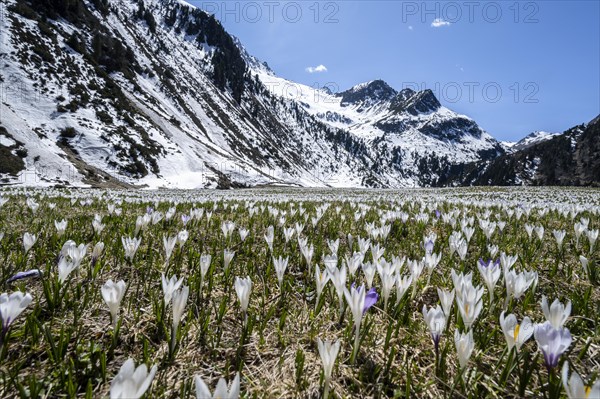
(370, 299)
(371, 296)
(22, 275)
(436, 321)
(489, 263)
(429, 246)
(552, 342)
(149, 210)
(438, 214)
(185, 219)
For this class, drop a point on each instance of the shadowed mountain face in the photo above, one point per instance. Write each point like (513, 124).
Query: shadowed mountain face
(156, 93)
(423, 102)
(367, 94)
(568, 159)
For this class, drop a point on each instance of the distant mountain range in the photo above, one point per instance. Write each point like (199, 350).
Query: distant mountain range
(571, 158)
(155, 93)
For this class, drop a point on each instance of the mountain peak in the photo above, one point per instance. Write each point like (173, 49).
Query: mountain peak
(533, 138)
(415, 103)
(368, 93)
(179, 99)
(253, 63)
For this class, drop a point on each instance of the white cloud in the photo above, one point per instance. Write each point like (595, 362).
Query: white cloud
(439, 22)
(320, 68)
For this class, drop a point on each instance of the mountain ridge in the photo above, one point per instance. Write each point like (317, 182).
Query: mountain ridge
(571, 158)
(156, 93)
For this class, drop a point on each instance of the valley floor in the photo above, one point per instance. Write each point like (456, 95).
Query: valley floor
(480, 253)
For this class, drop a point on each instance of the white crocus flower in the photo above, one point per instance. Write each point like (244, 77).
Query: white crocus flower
(321, 280)
(32, 204)
(355, 297)
(169, 245)
(446, 299)
(28, 241)
(243, 233)
(490, 273)
(221, 391)
(515, 334)
(131, 383)
(363, 244)
(493, 250)
(559, 236)
(353, 262)
(579, 228)
(462, 249)
(557, 313)
(270, 237)
(369, 270)
(470, 304)
(388, 280)
(227, 228)
(517, 284)
(307, 250)
(334, 246)
(330, 262)
(507, 262)
(131, 246)
(403, 283)
(61, 227)
(280, 265)
(529, 230)
(182, 237)
(338, 278)
(76, 253)
(431, 262)
(377, 252)
(112, 293)
(179, 301)
(205, 260)
(584, 264)
(227, 258)
(461, 280)
(592, 236)
(464, 347)
(539, 231)
(97, 224)
(575, 388)
(65, 268)
(180, 298)
(11, 306)
(169, 287)
(328, 352)
(243, 288)
(97, 251)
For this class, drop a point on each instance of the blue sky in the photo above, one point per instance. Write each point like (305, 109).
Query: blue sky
(514, 67)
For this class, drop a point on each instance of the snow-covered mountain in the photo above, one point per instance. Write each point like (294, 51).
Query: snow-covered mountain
(533, 138)
(156, 93)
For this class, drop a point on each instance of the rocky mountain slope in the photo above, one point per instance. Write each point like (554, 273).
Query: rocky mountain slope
(155, 93)
(571, 158)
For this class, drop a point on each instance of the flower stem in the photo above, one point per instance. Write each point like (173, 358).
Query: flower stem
(326, 389)
(173, 340)
(356, 342)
